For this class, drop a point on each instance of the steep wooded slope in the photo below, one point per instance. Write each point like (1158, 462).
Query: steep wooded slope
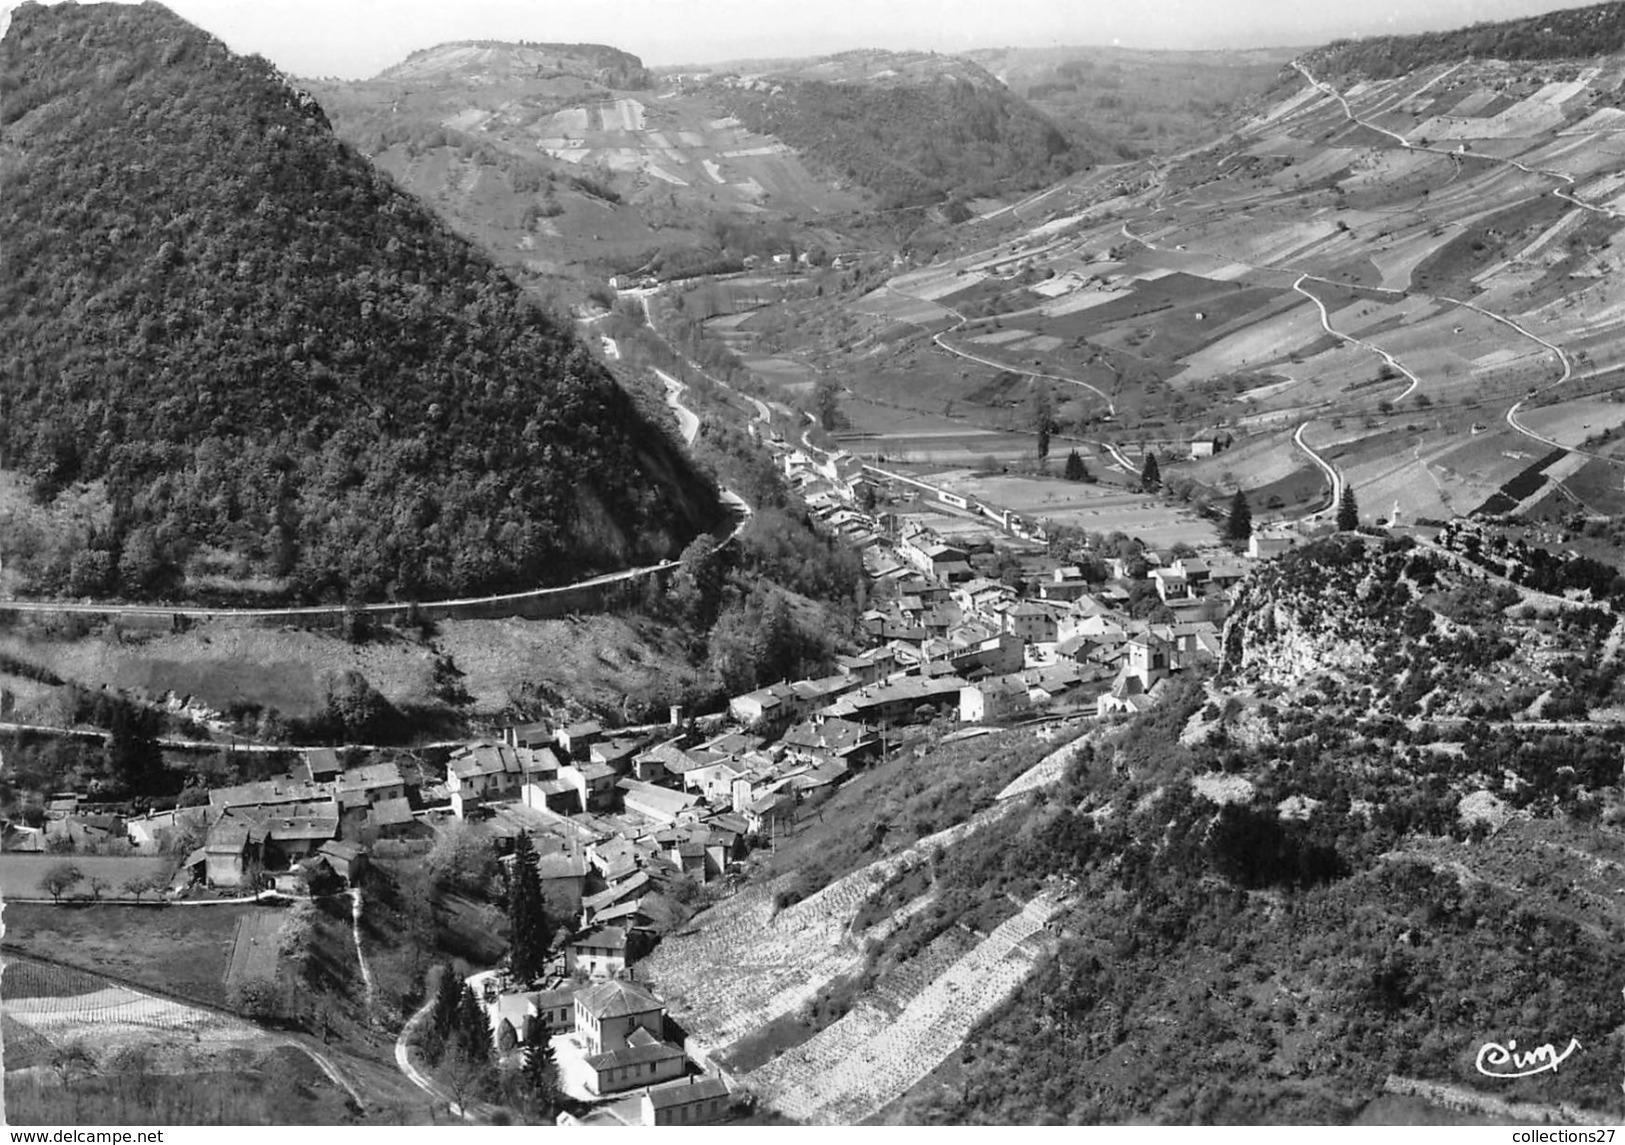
(279, 366)
(1572, 32)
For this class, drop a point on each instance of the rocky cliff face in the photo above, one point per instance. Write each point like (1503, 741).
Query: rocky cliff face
(1326, 608)
(1387, 627)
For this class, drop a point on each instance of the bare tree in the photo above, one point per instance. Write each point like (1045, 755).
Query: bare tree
(59, 878)
(466, 1074)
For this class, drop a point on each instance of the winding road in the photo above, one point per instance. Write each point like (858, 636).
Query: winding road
(405, 1042)
(1040, 375)
(1562, 177)
(1562, 191)
(1333, 477)
(687, 420)
(1513, 420)
(1326, 324)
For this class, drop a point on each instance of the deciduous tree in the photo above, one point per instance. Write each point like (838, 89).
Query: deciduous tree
(827, 404)
(59, 878)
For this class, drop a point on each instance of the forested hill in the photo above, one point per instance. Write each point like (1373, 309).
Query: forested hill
(275, 367)
(1566, 34)
(912, 136)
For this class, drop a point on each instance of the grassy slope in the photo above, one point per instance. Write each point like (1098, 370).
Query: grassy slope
(139, 946)
(135, 944)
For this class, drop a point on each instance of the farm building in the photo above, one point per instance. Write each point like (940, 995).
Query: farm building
(659, 761)
(559, 794)
(537, 735)
(762, 813)
(347, 860)
(576, 740)
(993, 699)
(767, 708)
(563, 878)
(898, 701)
(595, 783)
(1265, 546)
(614, 753)
(390, 819)
(1031, 622)
(643, 1059)
(828, 736)
(319, 765)
(224, 854)
(1171, 584)
(658, 803)
(696, 1101)
(553, 1010)
(601, 953)
(488, 771)
(83, 832)
(370, 784)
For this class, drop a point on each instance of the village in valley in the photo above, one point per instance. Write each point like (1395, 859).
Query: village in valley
(627, 831)
(1054, 585)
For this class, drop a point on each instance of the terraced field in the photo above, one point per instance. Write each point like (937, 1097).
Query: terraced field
(852, 1069)
(776, 961)
(56, 1005)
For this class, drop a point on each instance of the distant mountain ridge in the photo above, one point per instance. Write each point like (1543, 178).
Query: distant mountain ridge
(915, 128)
(1568, 33)
(281, 374)
(877, 67)
(484, 60)
(1147, 100)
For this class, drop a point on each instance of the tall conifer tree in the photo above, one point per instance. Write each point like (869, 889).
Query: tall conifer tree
(1348, 513)
(1240, 527)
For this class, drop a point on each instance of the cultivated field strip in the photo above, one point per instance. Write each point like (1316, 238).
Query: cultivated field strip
(254, 947)
(1046, 771)
(858, 1065)
(777, 962)
(62, 1004)
(26, 979)
(116, 1012)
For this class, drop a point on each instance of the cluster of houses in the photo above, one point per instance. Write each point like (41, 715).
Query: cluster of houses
(71, 823)
(316, 820)
(947, 640)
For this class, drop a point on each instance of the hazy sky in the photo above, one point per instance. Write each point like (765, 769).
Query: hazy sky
(357, 38)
